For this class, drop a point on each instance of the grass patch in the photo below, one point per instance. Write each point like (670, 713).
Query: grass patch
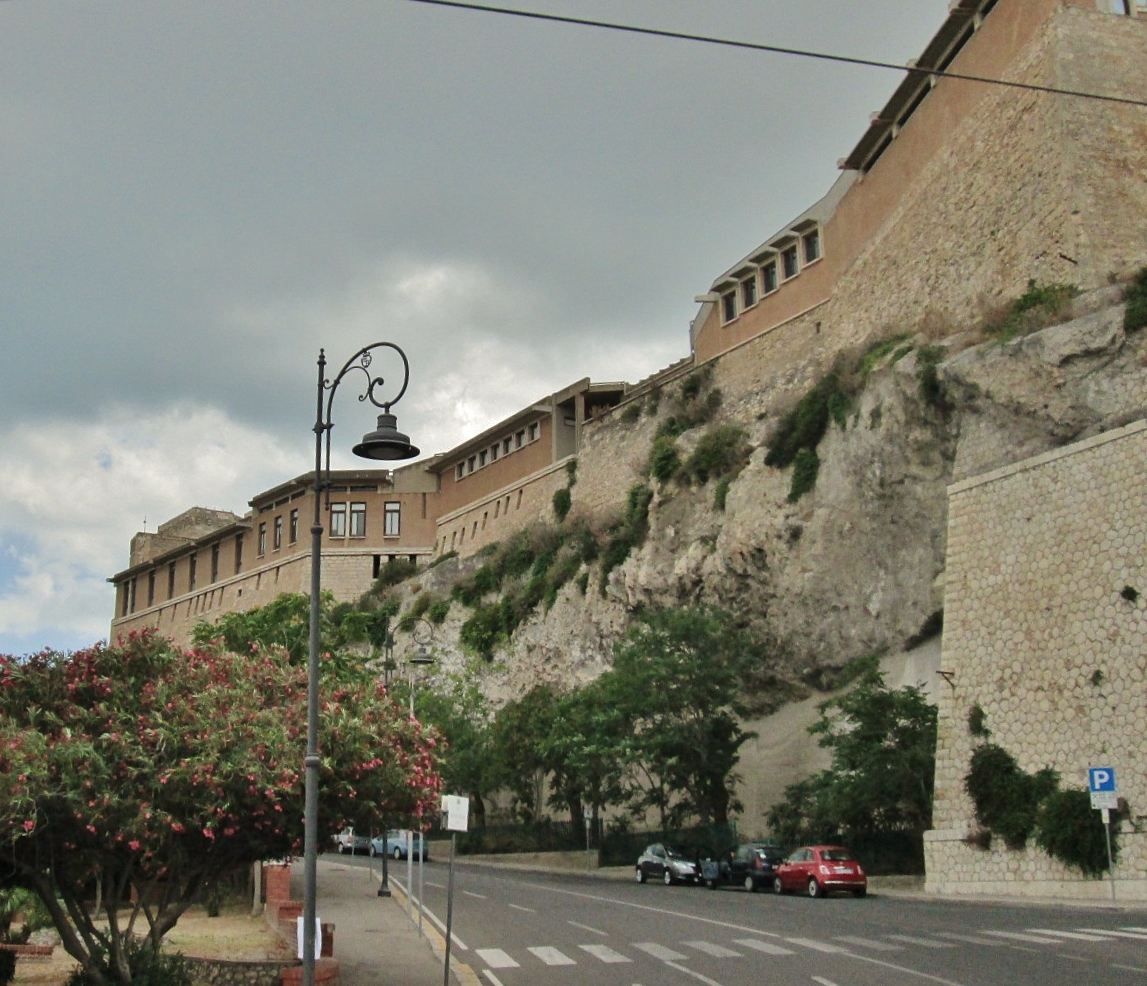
(1037, 308)
(1135, 317)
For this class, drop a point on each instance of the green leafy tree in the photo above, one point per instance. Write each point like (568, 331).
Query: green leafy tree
(520, 728)
(883, 745)
(150, 773)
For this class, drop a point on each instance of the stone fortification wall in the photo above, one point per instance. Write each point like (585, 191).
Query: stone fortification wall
(1039, 635)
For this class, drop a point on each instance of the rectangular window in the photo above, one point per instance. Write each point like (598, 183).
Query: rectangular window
(493, 453)
(262, 547)
(358, 520)
(790, 262)
(507, 446)
(338, 520)
(238, 553)
(460, 470)
(151, 587)
(811, 241)
(728, 306)
(392, 520)
(534, 431)
(749, 292)
(481, 458)
(470, 463)
(125, 589)
(769, 277)
(131, 596)
(215, 562)
(294, 526)
(191, 563)
(277, 537)
(171, 580)
(519, 439)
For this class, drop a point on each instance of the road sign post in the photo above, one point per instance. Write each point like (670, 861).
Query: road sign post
(1105, 797)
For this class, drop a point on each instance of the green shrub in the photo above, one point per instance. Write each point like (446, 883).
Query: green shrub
(441, 558)
(877, 351)
(664, 462)
(723, 451)
(806, 467)
(516, 558)
(562, 503)
(1069, 829)
(691, 387)
(1135, 316)
(1007, 799)
(420, 605)
(583, 582)
(628, 533)
(632, 413)
(469, 592)
(1037, 308)
(931, 390)
(571, 473)
(394, 571)
(721, 493)
(484, 630)
(804, 426)
(977, 724)
(438, 611)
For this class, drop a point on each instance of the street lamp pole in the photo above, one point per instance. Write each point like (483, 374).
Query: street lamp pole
(384, 443)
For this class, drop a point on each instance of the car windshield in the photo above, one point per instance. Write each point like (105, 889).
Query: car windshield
(674, 853)
(836, 855)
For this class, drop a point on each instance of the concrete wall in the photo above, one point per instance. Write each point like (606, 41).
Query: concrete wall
(1037, 634)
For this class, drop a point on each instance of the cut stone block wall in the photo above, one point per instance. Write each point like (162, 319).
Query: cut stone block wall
(1041, 635)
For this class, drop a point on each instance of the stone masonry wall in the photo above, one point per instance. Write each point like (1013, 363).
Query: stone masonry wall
(1039, 635)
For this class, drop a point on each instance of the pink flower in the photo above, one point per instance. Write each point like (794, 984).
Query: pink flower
(134, 845)
(29, 825)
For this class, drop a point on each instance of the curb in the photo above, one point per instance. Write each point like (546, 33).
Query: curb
(462, 972)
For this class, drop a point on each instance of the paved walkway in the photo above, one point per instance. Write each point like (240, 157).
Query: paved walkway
(376, 943)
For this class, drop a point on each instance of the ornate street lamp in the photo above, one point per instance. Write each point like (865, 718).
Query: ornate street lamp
(384, 443)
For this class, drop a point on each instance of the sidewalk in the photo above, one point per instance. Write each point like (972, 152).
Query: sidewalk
(376, 943)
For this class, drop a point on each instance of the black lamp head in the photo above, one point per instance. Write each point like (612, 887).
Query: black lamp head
(385, 442)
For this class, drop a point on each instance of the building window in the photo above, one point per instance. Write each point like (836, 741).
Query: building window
(493, 453)
(191, 564)
(293, 530)
(534, 431)
(262, 546)
(151, 587)
(460, 470)
(392, 520)
(131, 596)
(238, 553)
(790, 262)
(358, 520)
(507, 446)
(338, 520)
(497, 507)
(482, 458)
(811, 241)
(470, 463)
(519, 439)
(769, 277)
(215, 562)
(728, 306)
(171, 580)
(277, 537)
(749, 292)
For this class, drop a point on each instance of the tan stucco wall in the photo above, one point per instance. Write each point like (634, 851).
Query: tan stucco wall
(1037, 634)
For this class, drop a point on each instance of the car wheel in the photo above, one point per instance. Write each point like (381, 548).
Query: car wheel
(778, 886)
(861, 892)
(668, 878)
(814, 888)
(640, 874)
(397, 853)
(750, 884)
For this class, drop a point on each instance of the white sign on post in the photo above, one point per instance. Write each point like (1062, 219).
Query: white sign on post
(457, 811)
(1101, 783)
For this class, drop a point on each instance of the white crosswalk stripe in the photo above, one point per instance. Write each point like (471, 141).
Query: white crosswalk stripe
(495, 958)
(604, 953)
(1017, 936)
(876, 946)
(716, 951)
(1133, 935)
(816, 946)
(659, 951)
(1142, 931)
(1074, 935)
(763, 946)
(922, 942)
(969, 939)
(551, 956)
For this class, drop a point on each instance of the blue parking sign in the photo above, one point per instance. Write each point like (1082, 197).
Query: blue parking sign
(1101, 779)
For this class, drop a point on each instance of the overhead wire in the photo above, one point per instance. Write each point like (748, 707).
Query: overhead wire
(774, 49)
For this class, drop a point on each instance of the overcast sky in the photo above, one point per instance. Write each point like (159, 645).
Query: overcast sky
(196, 197)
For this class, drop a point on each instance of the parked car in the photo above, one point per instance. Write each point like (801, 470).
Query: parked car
(348, 841)
(668, 864)
(394, 845)
(751, 865)
(818, 870)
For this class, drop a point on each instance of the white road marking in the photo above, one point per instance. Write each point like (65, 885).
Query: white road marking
(717, 951)
(596, 931)
(816, 946)
(551, 956)
(659, 951)
(1114, 934)
(493, 979)
(470, 893)
(823, 981)
(694, 973)
(495, 958)
(970, 939)
(1016, 936)
(763, 946)
(878, 946)
(1074, 935)
(925, 942)
(434, 919)
(1128, 968)
(604, 953)
(528, 910)
(1132, 928)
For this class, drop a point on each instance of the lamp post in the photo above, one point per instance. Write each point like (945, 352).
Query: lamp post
(384, 443)
(388, 665)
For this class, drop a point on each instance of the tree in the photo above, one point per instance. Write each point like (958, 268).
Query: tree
(151, 773)
(677, 681)
(519, 730)
(883, 745)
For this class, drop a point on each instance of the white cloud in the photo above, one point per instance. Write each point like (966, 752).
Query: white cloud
(74, 494)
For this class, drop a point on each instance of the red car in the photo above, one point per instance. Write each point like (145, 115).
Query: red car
(818, 870)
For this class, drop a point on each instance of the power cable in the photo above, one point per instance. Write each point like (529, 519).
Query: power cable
(774, 49)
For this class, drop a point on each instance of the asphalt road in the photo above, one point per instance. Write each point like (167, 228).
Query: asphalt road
(523, 929)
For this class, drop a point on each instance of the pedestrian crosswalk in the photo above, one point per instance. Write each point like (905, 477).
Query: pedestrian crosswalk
(776, 945)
